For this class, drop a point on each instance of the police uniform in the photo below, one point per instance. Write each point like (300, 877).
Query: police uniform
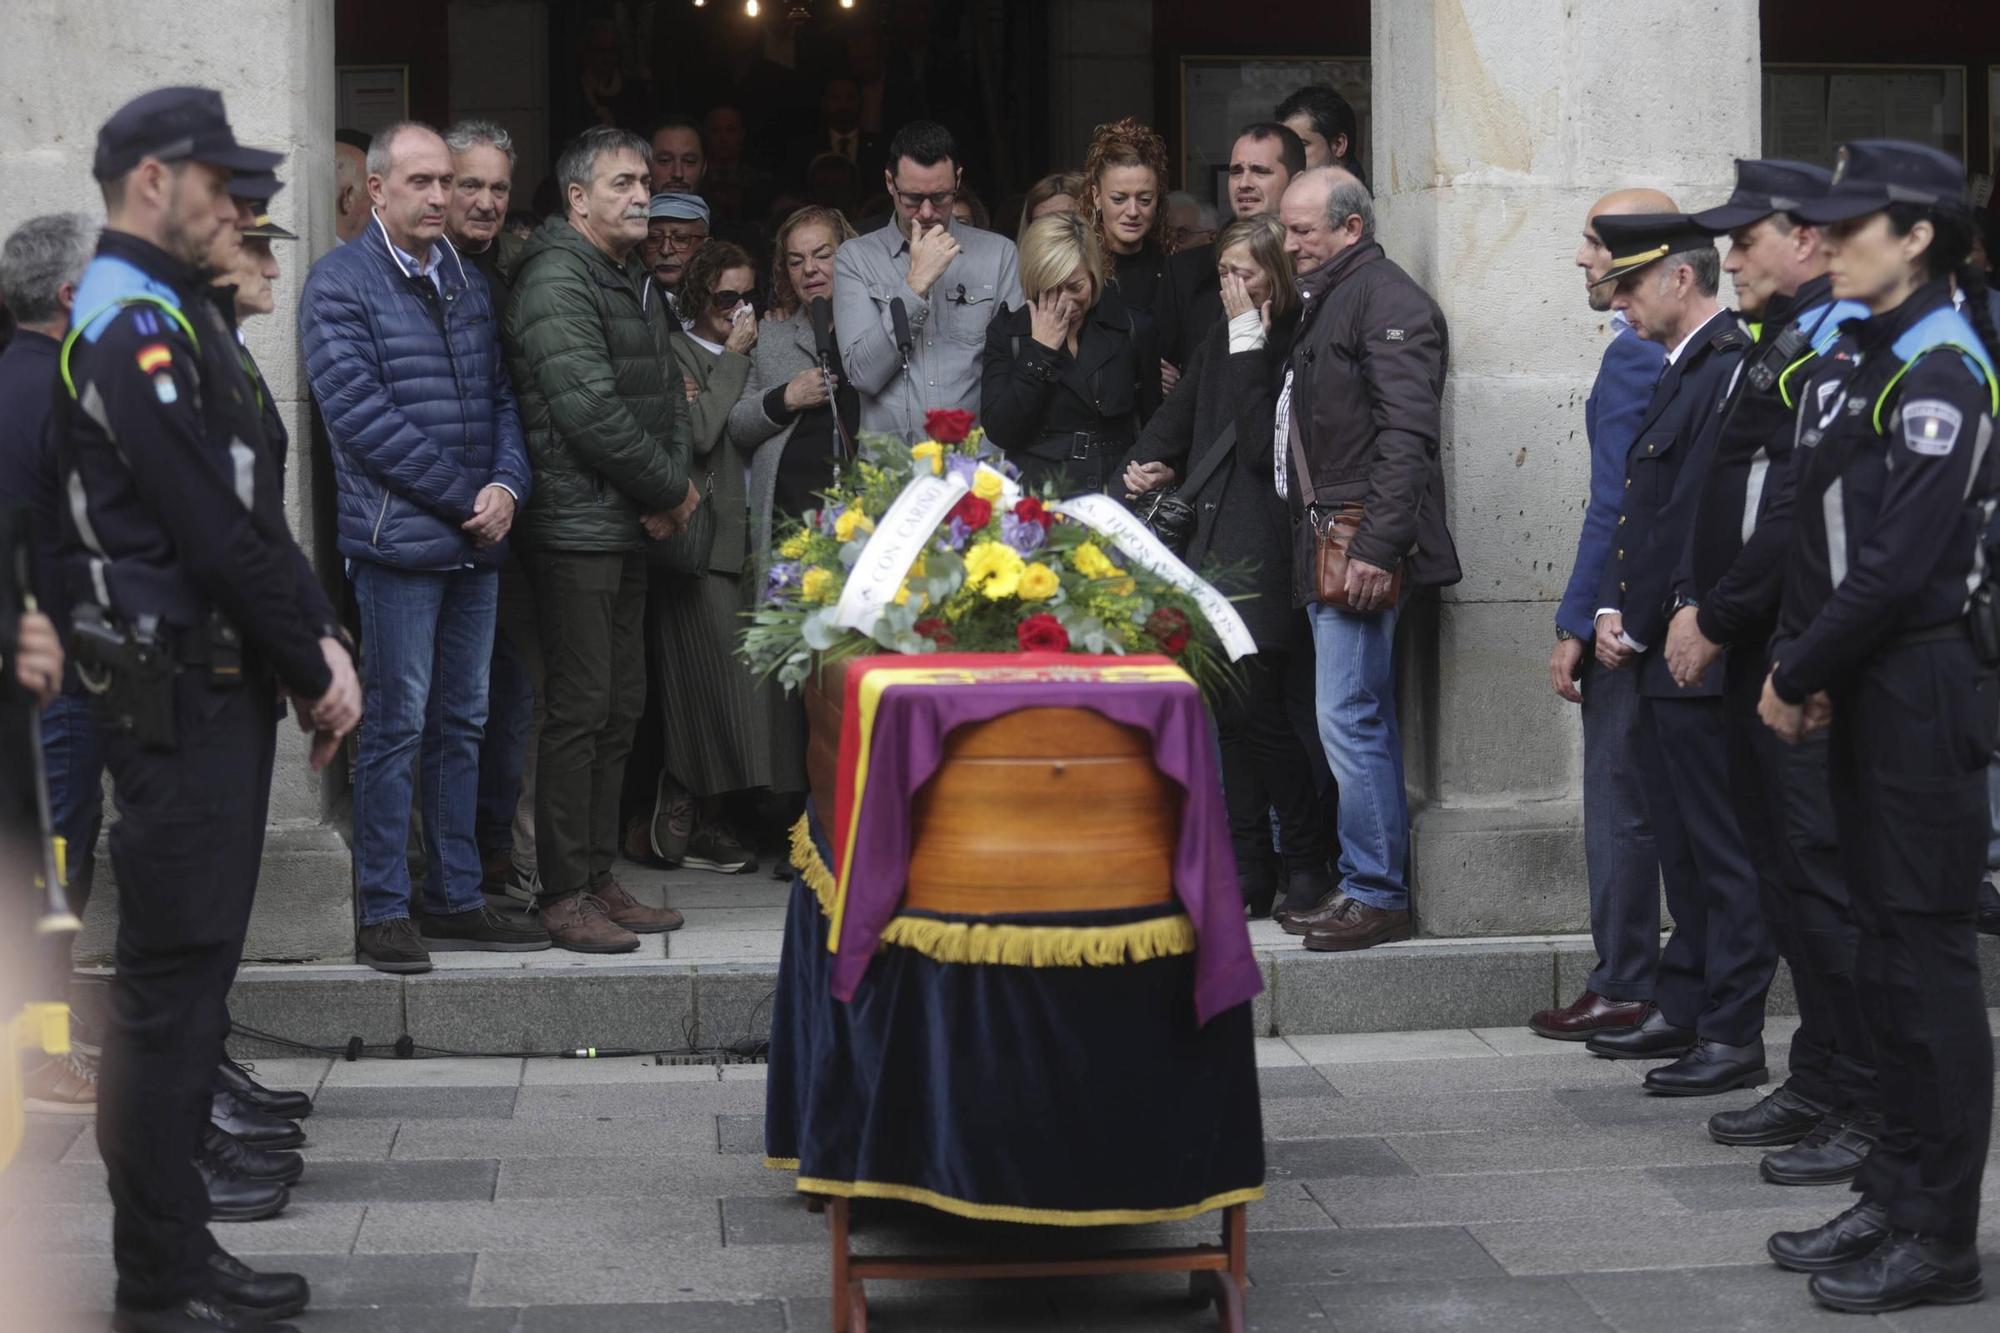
(1715, 969)
(1896, 482)
(1732, 576)
(193, 603)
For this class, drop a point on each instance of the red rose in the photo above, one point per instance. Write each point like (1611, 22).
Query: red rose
(947, 425)
(936, 630)
(1042, 634)
(1169, 628)
(1030, 510)
(972, 511)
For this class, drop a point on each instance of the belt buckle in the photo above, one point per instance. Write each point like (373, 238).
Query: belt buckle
(1079, 446)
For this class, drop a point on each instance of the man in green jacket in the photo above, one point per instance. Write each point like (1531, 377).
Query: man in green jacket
(587, 340)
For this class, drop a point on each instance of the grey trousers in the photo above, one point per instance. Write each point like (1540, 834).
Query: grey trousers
(1623, 866)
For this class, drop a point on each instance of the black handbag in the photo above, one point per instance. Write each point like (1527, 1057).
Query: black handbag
(687, 551)
(1170, 513)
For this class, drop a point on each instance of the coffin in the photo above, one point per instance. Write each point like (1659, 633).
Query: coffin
(1041, 810)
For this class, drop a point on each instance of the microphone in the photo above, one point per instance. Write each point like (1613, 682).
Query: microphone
(901, 319)
(821, 314)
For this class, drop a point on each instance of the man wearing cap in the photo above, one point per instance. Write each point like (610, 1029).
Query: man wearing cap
(676, 227)
(198, 606)
(1726, 593)
(1709, 999)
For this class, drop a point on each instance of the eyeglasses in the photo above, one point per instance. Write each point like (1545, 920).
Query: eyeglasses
(676, 240)
(724, 299)
(939, 201)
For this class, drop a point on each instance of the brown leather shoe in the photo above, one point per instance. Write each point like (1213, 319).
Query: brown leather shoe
(1356, 925)
(1320, 915)
(1586, 1016)
(578, 923)
(632, 914)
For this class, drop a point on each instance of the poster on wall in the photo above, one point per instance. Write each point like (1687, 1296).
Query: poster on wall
(1221, 93)
(1810, 110)
(371, 97)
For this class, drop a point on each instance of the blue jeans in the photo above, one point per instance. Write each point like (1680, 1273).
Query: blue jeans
(74, 749)
(1355, 687)
(420, 627)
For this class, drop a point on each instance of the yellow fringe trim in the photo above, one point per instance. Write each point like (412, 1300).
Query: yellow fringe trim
(782, 1163)
(1043, 946)
(805, 860)
(1000, 1212)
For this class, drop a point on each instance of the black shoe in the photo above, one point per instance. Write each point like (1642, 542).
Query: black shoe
(244, 1291)
(195, 1316)
(1851, 1236)
(1987, 915)
(481, 929)
(250, 1126)
(234, 1198)
(1831, 1155)
(234, 1078)
(785, 870)
(1904, 1270)
(392, 946)
(715, 848)
(1654, 1039)
(223, 1151)
(1781, 1118)
(1709, 1068)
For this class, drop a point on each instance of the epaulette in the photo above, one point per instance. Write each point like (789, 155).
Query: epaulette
(1727, 339)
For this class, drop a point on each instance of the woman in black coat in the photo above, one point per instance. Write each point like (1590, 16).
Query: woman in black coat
(1216, 430)
(1070, 377)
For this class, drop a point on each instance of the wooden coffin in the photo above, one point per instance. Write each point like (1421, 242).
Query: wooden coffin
(1041, 810)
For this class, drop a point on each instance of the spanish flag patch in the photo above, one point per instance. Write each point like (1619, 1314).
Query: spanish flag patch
(154, 356)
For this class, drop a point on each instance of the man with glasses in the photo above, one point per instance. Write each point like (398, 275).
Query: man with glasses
(948, 280)
(676, 227)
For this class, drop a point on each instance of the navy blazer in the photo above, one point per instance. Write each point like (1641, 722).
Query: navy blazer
(1663, 481)
(1611, 417)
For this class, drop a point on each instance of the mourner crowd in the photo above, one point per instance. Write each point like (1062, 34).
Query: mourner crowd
(1778, 627)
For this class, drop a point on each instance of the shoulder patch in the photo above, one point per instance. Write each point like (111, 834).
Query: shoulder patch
(1931, 426)
(1393, 335)
(1726, 339)
(163, 388)
(152, 357)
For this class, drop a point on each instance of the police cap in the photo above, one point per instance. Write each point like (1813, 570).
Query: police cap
(1871, 174)
(1638, 239)
(1764, 185)
(174, 125)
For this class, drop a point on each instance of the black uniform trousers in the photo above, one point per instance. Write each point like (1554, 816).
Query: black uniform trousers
(185, 848)
(1717, 966)
(1267, 768)
(1785, 804)
(1912, 732)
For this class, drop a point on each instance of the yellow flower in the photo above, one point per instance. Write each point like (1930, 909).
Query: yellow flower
(994, 568)
(917, 569)
(794, 547)
(817, 585)
(851, 521)
(1123, 587)
(932, 451)
(1038, 583)
(986, 484)
(1091, 562)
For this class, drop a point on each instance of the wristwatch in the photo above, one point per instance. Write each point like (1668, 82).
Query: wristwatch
(1563, 635)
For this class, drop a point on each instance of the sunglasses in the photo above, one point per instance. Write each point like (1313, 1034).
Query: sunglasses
(724, 299)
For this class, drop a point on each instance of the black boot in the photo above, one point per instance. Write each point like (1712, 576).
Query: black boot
(1831, 1155)
(1709, 1068)
(1654, 1039)
(224, 1151)
(1781, 1118)
(1904, 1270)
(1259, 882)
(245, 1291)
(195, 1316)
(1987, 915)
(234, 1198)
(236, 1117)
(235, 1078)
(1845, 1239)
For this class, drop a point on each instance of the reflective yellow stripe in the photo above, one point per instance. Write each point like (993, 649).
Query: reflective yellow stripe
(1992, 385)
(1785, 376)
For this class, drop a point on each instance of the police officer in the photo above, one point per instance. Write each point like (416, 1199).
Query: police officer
(1727, 594)
(1715, 969)
(193, 607)
(1897, 482)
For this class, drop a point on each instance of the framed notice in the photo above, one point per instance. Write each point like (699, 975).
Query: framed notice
(371, 97)
(1810, 110)
(1220, 94)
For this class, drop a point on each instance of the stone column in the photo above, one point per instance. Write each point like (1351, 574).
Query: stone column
(69, 66)
(1497, 123)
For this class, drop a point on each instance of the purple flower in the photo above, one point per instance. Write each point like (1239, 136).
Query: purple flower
(782, 575)
(962, 467)
(957, 535)
(1024, 535)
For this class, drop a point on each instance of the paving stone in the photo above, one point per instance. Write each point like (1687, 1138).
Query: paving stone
(680, 1316)
(1316, 1159)
(1398, 986)
(1495, 1305)
(1750, 1299)
(1141, 1305)
(1640, 1242)
(1374, 1047)
(398, 1182)
(1264, 1004)
(392, 1281)
(1516, 1039)
(638, 1271)
(85, 1228)
(624, 1069)
(1610, 1107)
(512, 1224)
(711, 1175)
(1457, 1200)
(1370, 1114)
(1495, 1073)
(634, 1006)
(740, 1133)
(444, 1072)
(323, 1006)
(745, 1073)
(1514, 1150)
(332, 1140)
(409, 1319)
(770, 1220)
(653, 1139)
(302, 1074)
(631, 1101)
(453, 1103)
(1274, 1052)
(49, 1138)
(1391, 1254)
(1736, 1187)
(732, 1005)
(27, 1184)
(1299, 1080)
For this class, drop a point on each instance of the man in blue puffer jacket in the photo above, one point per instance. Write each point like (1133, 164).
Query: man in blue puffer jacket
(402, 347)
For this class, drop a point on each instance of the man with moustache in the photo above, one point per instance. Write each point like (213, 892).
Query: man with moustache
(1262, 162)
(399, 334)
(1620, 860)
(676, 227)
(482, 189)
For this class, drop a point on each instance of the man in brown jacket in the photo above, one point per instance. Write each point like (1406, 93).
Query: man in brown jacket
(1359, 425)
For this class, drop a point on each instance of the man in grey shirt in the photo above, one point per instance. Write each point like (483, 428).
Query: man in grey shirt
(950, 280)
